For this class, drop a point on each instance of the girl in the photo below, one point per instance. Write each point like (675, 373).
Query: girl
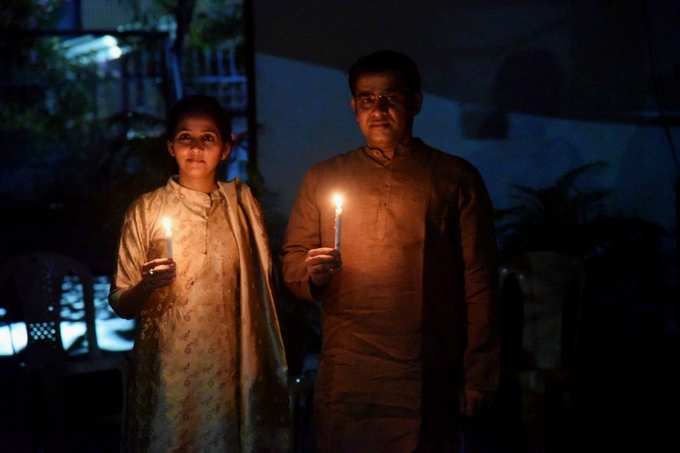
(208, 367)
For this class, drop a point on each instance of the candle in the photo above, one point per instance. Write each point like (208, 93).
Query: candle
(167, 226)
(337, 199)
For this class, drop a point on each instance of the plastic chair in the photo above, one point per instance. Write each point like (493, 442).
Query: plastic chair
(37, 280)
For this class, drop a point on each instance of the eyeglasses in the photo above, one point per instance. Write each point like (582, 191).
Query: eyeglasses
(370, 101)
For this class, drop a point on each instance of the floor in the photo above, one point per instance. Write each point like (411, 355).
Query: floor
(616, 409)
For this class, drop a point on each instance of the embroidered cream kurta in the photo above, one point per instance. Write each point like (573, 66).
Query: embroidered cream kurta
(209, 372)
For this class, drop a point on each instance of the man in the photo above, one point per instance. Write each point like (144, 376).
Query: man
(408, 298)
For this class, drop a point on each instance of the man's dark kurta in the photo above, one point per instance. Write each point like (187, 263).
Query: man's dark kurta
(409, 320)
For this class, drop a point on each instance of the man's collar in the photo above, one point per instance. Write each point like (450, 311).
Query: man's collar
(402, 149)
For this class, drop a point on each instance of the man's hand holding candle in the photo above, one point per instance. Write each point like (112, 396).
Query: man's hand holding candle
(322, 263)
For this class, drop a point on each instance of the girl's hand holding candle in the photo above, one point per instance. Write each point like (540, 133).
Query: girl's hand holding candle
(160, 271)
(157, 273)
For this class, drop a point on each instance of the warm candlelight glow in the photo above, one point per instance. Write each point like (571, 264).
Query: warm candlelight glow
(337, 199)
(167, 226)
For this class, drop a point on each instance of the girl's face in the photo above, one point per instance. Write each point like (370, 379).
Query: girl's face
(198, 148)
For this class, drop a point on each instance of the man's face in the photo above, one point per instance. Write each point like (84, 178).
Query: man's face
(384, 109)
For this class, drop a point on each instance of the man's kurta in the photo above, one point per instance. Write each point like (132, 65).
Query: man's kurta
(409, 319)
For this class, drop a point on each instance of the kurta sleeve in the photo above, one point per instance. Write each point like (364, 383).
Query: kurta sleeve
(482, 354)
(303, 233)
(131, 253)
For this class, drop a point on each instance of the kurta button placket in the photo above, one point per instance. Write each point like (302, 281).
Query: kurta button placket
(205, 235)
(384, 198)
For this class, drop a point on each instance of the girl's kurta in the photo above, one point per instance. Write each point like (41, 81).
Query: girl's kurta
(208, 370)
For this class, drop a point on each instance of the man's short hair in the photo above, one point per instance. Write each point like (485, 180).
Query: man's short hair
(386, 61)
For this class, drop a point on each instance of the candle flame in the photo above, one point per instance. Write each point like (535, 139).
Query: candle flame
(337, 199)
(167, 226)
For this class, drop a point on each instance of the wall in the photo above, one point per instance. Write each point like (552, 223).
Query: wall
(523, 90)
(297, 131)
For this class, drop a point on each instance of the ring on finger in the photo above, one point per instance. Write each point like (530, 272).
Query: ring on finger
(150, 271)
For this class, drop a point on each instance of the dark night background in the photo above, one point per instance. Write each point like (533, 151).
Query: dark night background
(570, 109)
